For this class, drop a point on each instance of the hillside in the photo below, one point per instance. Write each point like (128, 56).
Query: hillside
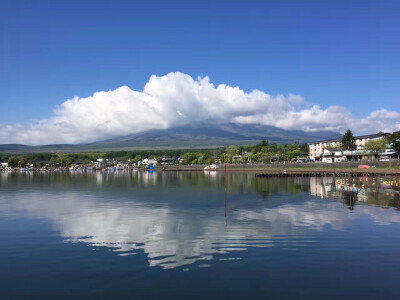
(188, 136)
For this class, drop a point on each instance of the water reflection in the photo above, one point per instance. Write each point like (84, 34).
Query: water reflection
(178, 219)
(355, 191)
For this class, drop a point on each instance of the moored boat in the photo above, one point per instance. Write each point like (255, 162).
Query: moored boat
(211, 168)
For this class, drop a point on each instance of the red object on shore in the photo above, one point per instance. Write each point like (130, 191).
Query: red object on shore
(364, 167)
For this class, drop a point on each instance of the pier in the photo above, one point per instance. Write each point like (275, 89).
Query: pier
(318, 173)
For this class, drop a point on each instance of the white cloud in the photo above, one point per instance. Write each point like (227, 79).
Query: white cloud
(176, 99)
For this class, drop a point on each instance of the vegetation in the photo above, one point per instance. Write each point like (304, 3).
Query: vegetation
(394, 140)
(264, 152)
(376, 146)
(348, 141)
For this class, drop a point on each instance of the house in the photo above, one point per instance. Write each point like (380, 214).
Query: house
(245, 156)
(98, 164)
(167, 161)
(331, 155)
(362, 139)
(316, 149)
(388, 155)
(236, 159)
(217, 160)
(359, 155)
(303, 157)
(150, 161)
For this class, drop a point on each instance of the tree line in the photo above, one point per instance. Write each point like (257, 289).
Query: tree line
(262, 152)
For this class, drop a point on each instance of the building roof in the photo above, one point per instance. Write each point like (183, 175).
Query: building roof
(388, 153)
(324, 141)
(371, 136)
(332, 149)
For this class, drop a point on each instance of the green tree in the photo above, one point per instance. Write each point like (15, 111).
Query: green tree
(376, 145)
(259, 156)
(138, 158)
(252, 158)
(64, 160)
(293, 154)
(13, 161)
(266, 158)
(54, 160)
(282, 157)
(22, 162)
(232, 150)
(264, 143)
(273, 148)
(209, 161)
(394, 140)
(200, 160)
(348, 141)
(304, 148)
(191, 157)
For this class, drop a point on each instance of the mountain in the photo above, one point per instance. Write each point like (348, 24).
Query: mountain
(187, 136)
(217, 135)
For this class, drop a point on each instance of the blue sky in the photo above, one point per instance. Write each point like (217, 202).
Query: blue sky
(330, 52)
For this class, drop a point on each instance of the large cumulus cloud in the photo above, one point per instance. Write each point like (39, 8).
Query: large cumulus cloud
(178, 99)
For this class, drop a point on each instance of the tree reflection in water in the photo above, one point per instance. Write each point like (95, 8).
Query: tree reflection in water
(178, 219)
(350, 199)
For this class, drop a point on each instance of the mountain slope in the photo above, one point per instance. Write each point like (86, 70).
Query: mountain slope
(187, 136)
(223, 134)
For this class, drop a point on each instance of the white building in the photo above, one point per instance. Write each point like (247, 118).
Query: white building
(317, 149)
(149, 162)
(388, 155)
(331, 155)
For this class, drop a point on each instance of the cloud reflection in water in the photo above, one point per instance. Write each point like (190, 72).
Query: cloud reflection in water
(178, 219)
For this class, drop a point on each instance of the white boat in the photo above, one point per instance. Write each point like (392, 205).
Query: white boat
(211, 167)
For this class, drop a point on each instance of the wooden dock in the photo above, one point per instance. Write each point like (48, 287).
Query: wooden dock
(316, 173)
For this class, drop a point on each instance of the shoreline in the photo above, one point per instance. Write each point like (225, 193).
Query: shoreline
(265, 169)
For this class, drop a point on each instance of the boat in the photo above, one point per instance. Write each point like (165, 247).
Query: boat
(364, 166)
(211, 168)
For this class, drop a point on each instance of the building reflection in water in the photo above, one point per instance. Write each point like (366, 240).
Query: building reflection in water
(178, 219)
(355, 190)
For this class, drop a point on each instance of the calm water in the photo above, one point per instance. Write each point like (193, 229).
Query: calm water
(195, 235)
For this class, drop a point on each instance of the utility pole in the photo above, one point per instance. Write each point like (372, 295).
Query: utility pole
(226, 191)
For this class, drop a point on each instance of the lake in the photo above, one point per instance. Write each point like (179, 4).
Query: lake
(189, 235)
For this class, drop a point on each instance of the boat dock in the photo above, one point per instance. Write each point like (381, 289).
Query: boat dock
(317, 173)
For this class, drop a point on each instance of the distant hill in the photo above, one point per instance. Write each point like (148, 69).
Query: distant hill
(187, 136)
